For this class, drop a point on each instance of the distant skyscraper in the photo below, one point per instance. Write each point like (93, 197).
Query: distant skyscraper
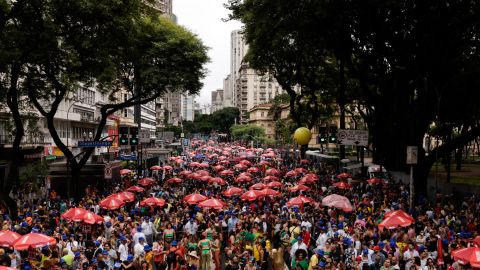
(217, 100)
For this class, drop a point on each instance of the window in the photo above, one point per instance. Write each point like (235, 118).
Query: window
(125, 113)
(262, 114)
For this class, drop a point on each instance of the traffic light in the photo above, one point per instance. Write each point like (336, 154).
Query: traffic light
(134, 141)
(322, 138)
(123, 140)
(332, 138)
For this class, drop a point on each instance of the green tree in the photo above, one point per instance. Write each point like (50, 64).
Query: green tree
(225, 118)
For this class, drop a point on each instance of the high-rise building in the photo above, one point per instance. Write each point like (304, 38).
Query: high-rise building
(228, 97)
(187, 107)
(217, 100)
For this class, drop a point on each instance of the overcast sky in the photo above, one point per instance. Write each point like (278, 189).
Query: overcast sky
(204, 18)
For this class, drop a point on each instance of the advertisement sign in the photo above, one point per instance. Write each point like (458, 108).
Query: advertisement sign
(108, 171)
(49, 152)
(352, 137)
(412, 155)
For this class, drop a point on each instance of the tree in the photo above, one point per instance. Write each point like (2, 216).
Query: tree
(110, 45)
(225, 118)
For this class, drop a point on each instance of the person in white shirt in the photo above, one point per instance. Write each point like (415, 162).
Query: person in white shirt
(147, 228)
(307, 224)
(409, 256)
(139, 248)
(322, 239)
(71, 243)
(191, 227)
(298, 245)
(123, 248)
(138, 234)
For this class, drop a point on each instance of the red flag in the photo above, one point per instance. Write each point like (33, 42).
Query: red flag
(440, 260)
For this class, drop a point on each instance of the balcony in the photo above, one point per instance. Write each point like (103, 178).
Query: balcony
(27, 140)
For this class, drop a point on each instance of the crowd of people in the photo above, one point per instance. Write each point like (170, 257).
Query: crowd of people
(259, 232)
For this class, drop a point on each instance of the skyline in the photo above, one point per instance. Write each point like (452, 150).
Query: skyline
(215, 34)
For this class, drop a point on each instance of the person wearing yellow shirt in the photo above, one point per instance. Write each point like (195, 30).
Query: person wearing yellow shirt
(149, 256)
(315, 259)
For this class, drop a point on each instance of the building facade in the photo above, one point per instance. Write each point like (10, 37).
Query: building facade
(217, 100)
(259, 115)
(187, 107)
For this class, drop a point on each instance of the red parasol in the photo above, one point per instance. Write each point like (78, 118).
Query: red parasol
(155, 168)
(376, 181)
(400, 213)
(233, 191)
(203, 165)
(91, 218)
(344, 175)
(194, 198)
(291, 174)
(269, 192)
(153, 201)
(250, 195)
(243, 178)
(111, 203)
(272, 171)
(217, 180)
(123, 196)
(179, 161)
(7, 268)
(342, 185)
(203, 172)
(274, 184)
(167, 168)
(73, 212)
(301, 170)
(33, 240)
(311, 176)
(146, 181)
(477, 241)
(469, 255)
(270, 178)
(184, 173)
(7, 238)
(218, 168)
(212, 204)
(337, 201)
(245, 174)
(395, 220)
(135, 189)
(125, 171)
(299, 200)
(263, 163)
(205, 178)
(194, 164)
(258, 186)
(246, 162)
(240, 166)
(226, 172)
(299, 187)
(304, 161)
(253, 170)
(174, 180)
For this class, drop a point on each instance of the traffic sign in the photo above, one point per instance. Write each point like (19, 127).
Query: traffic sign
(352, 137)
(90, 144)
(186, 142)
(412, 155)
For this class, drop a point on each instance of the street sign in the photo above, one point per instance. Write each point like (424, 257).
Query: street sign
(412, 155)
(185, 142)
(352, 137)
(108, 171)
(90, 144)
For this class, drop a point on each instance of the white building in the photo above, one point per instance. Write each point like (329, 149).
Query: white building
(187, 107)
(228, 97)
(217, 100)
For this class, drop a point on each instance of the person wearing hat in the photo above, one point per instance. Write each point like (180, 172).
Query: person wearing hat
(349, 253)
(147, 227)
(123, 248)
(191, 227)
(377, 253)
(77, 260)
(128, 263)
(137, 235)
(68, 257)
(139, 248)
(149, 257)
(193, 260)
(315, 259)
(298, 245)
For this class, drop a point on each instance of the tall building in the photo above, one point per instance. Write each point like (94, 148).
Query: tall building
(217, 100)
(238, 49)
(228, 97)
(187, 107)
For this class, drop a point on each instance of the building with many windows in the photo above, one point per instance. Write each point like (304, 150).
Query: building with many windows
(217, 100)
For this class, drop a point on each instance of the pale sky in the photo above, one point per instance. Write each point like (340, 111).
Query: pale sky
(204, 18)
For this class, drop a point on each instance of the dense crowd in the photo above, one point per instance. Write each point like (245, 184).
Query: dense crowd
(263, 232)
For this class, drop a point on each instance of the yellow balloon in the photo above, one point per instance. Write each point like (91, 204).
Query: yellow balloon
(302, 135)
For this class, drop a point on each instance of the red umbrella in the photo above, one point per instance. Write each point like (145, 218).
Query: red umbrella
(270, 178)
(91, 218)
(344, 175)
(155, 168)
(7, 238)
(203, 165)
(125, 171)
(111, 203)
(222, 158)
(400, 213)
(376, 181)
(253, 170)
(167, 168)
(299, 187)
(243, 179)
(226, 172)
(153, 201)
(184, 173)
(395, 220)
(123, 196)
(301, 170)
(291, 174)
(174, 180)
(477, 241)
(218, 168)
(342, 185)
(33, 240)
(179, 161)
(217, 180)
(269, 192)
(469, 255)
(146, 181)
(258, 186)
(304, 161)
(311, 176)
(250, 195)
(194, 198)
(194, 176)
(72, 213)
(7, 268)
(240, 166)
(233, 191)
(274, 184)
(263, 162)
(272, 171)
(135, 189)
(245, 174)
(224, 162)
(205, 178)
(246, 162)
(299, 200)
(203, 172)
(194, 164)
(337, 201)
(212, 204)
